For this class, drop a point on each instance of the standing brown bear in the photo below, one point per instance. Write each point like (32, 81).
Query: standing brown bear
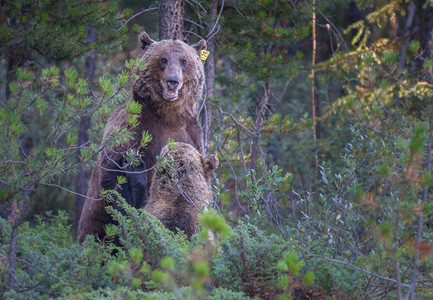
(170, 90)
(181, 187)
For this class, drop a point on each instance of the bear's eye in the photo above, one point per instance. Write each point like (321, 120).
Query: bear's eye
(183, 61)
(163, 61)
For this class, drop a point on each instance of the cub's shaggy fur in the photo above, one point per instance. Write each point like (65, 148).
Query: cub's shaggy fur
(181, 187)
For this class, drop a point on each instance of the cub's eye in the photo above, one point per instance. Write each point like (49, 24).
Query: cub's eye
(163, 61)
(183, 61)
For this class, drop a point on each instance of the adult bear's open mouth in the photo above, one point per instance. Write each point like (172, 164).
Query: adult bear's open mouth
(170, 95)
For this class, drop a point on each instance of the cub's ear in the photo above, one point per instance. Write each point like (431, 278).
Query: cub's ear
(210, 162)
(200, 46)
(144, 40)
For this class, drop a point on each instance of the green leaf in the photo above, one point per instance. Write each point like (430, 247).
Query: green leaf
(290, 263)
(14, 87)
(121, 179)
(383, 171)
(428, 179)
(283, 282)
(385, 84)
(384, 231)
(214, 222)
(167, 263)
(136, 254)
(428, 63)
(276, 118)
(50, 152)
(418, 139)
(41, 105)
(133, 107)
(123, 77)
(71, 139)
(86, 153)
(414, 46)
(129, 64)
(309, 278)
(201, 268)
(24, 75)
(136, 27)
(145, 268)
(171, 144)
(136, 282)
(110, 230)
(159, 276)
(146, 139)
(106, 85)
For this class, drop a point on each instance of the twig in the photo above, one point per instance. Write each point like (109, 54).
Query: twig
(236, 121)
(217, 20)
(123, 171)
(193, 33)
(185, 195)
(69, 191)
(198, 25)
(381, 105)
(49, 274)
(199, 4)
(339, 34)
(359, 269)
(236, 178)
(136, 15)
(262, 107)
(216, 31)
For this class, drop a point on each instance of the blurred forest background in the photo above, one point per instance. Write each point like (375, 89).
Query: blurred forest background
(320, 112)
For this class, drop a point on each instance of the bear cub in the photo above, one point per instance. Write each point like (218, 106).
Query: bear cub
(181, 187)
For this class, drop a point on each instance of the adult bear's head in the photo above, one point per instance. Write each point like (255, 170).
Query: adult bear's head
(173, 75)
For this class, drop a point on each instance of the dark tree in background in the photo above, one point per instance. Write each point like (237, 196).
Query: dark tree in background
(171, 14)
(82, 178)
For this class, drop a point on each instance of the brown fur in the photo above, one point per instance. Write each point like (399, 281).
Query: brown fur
(163, 118)
(173, 191)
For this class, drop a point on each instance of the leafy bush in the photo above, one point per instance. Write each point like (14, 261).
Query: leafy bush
(50, 262)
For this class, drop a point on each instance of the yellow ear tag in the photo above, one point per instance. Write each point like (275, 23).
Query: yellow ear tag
(204, 54)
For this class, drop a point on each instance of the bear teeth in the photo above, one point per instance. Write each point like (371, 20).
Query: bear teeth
(169, 95)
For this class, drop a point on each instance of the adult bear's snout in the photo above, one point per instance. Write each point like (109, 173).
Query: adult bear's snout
(172, 82)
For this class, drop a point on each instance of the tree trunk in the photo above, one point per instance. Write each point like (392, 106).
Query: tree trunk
(171, 14)
(209, 69)
(258, 126)
(19, 210)
(313, 94)
(83, 137)
(425, 29)
(420, 217)
(408, 25)
(314, 99)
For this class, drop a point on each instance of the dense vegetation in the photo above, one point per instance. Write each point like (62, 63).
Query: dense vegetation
(320, 112)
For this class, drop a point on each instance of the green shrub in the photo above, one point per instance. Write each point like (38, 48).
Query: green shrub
(49, 262)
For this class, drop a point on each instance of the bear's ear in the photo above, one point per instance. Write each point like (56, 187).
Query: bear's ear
(144, 40)
(200, 46)
(210, 162)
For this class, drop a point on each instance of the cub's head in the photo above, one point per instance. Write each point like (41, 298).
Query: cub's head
(173, 68)
(185, 162)
(183, 171)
